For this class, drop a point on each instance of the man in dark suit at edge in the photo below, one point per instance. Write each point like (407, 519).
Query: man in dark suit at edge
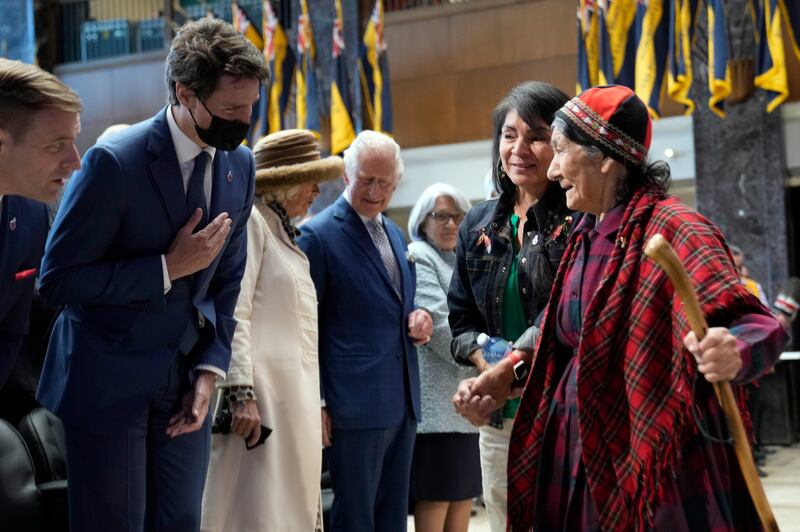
(146, 254)
(39, 123)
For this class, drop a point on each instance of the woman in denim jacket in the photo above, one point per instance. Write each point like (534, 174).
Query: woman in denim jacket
(506, 258)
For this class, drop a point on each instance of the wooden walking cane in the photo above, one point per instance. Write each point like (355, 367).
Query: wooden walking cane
(658, 249)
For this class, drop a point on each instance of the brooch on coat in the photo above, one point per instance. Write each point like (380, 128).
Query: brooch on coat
(561, 230)
(484, 241)
(410, 257)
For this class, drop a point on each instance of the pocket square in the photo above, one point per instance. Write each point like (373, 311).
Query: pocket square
(24, 274)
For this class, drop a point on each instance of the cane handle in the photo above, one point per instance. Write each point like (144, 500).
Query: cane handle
(658, 249)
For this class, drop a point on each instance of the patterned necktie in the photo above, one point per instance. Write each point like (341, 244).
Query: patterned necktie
(382, 243)
(195, 192)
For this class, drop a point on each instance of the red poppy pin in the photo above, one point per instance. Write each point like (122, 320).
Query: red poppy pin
(24, 274)
(561, 229)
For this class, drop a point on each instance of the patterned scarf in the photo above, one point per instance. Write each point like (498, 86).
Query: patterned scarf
(291, 231)
(635, 379)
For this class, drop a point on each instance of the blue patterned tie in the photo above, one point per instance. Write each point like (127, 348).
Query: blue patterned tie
(195, 192)
(387, 256)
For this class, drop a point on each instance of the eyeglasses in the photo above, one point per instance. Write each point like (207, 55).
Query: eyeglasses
(442, 218)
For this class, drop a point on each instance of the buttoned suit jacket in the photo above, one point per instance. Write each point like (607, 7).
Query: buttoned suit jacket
(119, 332)
(368, 362)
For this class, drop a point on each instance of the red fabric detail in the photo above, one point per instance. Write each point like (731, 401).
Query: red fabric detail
(605, 101)
(635, 377)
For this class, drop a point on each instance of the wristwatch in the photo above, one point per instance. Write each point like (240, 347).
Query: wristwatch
(521, 368)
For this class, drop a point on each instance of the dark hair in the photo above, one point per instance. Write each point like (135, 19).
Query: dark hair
(654, 175)
(533, 101)
(26, 89)
(204, 50)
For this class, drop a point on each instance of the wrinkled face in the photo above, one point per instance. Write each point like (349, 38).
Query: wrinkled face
(371, 190)
(525, 151)
(441, 224)
(298, 203)
(37, 164)
(589, 188)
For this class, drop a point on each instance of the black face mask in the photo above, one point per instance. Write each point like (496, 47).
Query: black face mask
(222, 133)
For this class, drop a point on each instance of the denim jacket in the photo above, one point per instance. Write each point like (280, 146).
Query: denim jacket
(484, 253)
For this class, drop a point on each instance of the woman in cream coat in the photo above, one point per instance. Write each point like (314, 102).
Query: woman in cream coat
(273, 377)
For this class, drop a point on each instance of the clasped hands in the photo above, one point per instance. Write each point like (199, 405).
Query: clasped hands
(717, 355)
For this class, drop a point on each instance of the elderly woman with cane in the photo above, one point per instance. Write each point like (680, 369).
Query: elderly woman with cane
(619, 427)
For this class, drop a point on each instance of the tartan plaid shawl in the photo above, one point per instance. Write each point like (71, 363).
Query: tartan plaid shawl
(634, 376)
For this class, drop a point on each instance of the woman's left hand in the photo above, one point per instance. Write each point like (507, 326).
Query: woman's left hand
(718, 358)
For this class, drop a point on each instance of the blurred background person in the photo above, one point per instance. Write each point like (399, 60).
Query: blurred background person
(446, 468)
(506, 257)
(273, 378)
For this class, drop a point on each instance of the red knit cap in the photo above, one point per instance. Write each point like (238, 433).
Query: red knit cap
(615, 119)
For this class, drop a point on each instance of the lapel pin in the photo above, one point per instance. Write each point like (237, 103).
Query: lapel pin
(12, 224)
(229, 177)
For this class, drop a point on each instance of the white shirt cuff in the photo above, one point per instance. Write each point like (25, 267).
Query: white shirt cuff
(213, 369)
(165, 273)
(322, 403)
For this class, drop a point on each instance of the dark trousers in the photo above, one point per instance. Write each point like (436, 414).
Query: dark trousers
(370, 472)
(138, 478)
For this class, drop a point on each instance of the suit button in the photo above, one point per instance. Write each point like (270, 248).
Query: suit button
(172, 344)
(524, 260)
(524, 290)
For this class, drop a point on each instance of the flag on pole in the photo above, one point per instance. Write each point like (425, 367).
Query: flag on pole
(682, 17)
(307, 95)
(374, 72)
(617, 59)
(719, 72)
(342, 130)
(771, 74)
(243, 23)
(281, 64)
(587, 25)
(652, 28)
(791, 13)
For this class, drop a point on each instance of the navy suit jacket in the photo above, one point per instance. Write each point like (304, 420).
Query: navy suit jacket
(119, 333)
(368, 363)
(23, 230)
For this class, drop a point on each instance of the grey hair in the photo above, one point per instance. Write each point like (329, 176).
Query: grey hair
(369, 140)
(427, 201)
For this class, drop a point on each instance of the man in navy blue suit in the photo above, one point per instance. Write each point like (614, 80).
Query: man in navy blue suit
(146, 254)
(367, 330)
(39, 122)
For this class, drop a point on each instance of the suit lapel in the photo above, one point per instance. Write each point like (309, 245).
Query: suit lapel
(221, 188)
(165, 171)
(352, 225)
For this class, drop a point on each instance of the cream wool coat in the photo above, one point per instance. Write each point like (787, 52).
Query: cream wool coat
(276, 486)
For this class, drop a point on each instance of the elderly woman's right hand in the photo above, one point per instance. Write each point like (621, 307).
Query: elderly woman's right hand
(473, 407)
(246, 421)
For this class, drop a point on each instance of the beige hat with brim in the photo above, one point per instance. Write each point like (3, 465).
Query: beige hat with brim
(291, 157)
